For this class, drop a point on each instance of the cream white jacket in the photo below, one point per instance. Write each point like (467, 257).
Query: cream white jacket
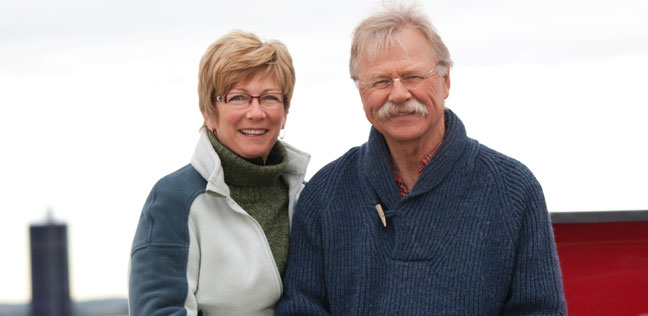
(196, 250)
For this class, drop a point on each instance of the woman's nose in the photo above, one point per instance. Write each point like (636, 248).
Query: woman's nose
(255, 110)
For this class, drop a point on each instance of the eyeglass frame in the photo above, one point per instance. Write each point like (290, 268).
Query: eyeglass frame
(223, 98)
(371, 85)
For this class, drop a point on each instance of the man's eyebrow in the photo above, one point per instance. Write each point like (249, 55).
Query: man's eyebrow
(415, 69)
(376, 73)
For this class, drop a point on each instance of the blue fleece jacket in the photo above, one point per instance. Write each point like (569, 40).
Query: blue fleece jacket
(472, 238)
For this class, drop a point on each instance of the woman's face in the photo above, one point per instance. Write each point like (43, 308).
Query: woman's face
(249, 130)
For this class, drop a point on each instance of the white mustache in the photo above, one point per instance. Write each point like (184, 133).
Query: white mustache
(390, 109)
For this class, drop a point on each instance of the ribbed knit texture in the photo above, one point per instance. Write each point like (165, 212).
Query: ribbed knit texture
(262, 193)
(472, 238)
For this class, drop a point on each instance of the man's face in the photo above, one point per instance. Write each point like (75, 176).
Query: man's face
(411, 56)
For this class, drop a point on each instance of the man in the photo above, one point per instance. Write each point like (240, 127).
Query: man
(420, 220)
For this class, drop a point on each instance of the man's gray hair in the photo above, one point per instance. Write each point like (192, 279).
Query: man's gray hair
(378, 32)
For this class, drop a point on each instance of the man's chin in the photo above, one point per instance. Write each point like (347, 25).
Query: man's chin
(401, 132)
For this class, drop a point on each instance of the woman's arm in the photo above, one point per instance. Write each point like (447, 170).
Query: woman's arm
(164, 260)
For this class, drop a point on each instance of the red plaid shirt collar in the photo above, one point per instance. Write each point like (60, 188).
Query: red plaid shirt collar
(403, 190)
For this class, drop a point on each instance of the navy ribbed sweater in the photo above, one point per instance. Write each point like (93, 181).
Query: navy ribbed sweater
(472, 238)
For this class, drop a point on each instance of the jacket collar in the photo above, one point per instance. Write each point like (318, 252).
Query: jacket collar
(208, 164)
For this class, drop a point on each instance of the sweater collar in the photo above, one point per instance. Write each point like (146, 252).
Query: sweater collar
(208, 164)
(377, 167)
(243, 172)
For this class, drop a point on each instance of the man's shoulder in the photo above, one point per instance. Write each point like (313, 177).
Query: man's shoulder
(509, 178)
(509, 175)
(339, 166)
(336, 175)
(497, 162)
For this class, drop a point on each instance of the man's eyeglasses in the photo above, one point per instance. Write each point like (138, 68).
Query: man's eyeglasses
(241, 99)
(410, 80)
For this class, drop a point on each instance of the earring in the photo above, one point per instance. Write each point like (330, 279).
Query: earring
(282, 134)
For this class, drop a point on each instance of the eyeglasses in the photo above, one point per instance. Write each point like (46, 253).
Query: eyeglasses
(410, 80)
(242, 100)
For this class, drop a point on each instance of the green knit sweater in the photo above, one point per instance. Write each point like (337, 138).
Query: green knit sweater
(261, 192)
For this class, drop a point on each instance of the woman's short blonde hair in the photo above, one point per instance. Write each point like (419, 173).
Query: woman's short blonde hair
(238, 56)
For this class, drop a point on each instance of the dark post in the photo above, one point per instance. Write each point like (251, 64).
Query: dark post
(49, 260)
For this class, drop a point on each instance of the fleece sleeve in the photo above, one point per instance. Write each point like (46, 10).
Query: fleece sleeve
(163, 264)
(536, 286)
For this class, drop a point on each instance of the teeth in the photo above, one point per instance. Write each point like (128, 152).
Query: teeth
(253, 131)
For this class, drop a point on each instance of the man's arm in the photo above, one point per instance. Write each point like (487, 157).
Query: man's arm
(536, 286)
(304, 283)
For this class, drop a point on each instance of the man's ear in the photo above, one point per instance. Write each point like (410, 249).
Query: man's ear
(446, 84)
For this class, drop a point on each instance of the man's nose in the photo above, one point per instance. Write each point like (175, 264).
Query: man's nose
(399, 93)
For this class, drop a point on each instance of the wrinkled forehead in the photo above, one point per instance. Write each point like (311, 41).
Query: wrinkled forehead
(392, 46)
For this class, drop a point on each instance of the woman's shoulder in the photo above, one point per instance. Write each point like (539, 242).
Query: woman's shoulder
(184, 182)
(298, 159)
(166, 210)
(173, 195)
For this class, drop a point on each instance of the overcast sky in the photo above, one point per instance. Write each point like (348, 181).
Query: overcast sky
(98, 101)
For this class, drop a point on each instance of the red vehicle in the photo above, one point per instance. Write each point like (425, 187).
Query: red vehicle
(604, 260)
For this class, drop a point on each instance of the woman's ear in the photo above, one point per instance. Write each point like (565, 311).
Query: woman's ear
(283, 124)
(209, 122)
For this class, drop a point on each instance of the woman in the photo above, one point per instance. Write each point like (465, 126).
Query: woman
(212, 238)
